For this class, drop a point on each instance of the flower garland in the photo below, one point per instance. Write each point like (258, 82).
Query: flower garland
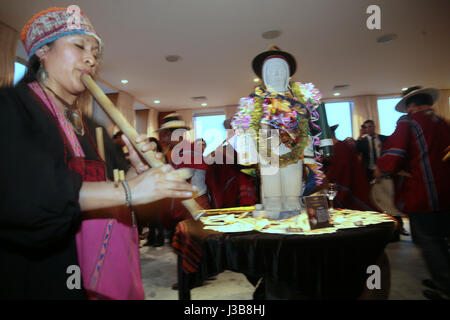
(293, 113)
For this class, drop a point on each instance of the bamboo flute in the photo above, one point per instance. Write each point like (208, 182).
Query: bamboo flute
(123, 124)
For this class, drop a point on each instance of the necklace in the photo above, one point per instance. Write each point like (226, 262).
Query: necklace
(72, 114)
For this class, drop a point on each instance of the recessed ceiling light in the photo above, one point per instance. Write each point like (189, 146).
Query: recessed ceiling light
(271, 34)
(204, 104)
(404, 89)
(336, 94)
(256, 80)
(387, 38)
(157, 101)
(124, 81)
(173, 58)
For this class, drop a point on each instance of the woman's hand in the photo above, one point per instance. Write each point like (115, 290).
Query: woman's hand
(159, 183)
(136, 161)
(98, 199)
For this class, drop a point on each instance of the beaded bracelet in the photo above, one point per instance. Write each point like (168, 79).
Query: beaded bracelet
(128, 200)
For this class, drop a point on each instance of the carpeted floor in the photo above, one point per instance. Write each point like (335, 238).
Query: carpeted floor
(159, 272)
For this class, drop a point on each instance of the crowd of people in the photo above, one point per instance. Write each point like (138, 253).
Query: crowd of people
(61, 207)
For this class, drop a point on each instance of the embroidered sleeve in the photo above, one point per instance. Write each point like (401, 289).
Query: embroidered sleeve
(395, 148)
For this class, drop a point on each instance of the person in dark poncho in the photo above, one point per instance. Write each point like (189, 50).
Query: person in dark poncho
(58, 211)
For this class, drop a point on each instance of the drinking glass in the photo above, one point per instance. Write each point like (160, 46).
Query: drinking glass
(331, 193)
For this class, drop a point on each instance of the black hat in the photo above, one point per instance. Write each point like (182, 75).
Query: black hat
(273, 51)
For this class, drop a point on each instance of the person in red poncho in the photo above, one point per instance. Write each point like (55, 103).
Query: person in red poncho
(236, 187)
(346, 170)
(182, 153)
(419, 146)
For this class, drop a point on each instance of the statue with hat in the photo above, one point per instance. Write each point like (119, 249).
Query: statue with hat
(288, 109)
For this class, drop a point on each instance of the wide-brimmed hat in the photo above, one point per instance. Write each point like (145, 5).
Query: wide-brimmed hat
(273, 52)
(54, 23)
(172, 121)
(401, 105)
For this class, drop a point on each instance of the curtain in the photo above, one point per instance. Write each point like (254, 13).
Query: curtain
(125, 104)
(186, 115)
(8, 45)
(152, 123)
(141, 121)
(364, 108)
(100, 116)
(230, 111)
(442, 107)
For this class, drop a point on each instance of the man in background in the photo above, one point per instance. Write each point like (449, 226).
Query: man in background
(370, 146)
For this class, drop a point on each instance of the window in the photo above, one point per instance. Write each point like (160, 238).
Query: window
(388, 115)
(210, 128)
(340, 113)
(19, 71)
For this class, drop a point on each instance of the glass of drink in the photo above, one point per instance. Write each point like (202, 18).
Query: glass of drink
(331, 193)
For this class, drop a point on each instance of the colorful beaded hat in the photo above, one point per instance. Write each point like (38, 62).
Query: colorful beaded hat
(54, 23)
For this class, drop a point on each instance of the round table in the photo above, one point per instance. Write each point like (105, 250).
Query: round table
(327, 266)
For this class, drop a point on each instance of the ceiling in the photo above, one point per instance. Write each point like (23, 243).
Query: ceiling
(217, 40)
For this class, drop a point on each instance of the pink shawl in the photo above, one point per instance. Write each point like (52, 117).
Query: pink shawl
(108, 249)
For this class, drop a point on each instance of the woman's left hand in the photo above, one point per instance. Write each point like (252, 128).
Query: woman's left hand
(136, 161)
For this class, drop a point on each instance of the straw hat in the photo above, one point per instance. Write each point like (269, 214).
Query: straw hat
(401, 105)
(172, 121)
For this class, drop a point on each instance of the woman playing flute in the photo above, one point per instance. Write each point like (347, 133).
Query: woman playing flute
(58, 212)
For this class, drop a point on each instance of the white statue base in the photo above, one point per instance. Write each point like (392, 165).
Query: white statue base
(282, 187)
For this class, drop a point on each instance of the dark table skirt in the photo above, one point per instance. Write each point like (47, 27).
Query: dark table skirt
(328, 266)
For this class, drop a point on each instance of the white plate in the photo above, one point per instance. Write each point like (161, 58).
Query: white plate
(235, 227)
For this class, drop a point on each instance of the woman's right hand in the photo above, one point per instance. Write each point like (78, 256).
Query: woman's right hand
(159, 183)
